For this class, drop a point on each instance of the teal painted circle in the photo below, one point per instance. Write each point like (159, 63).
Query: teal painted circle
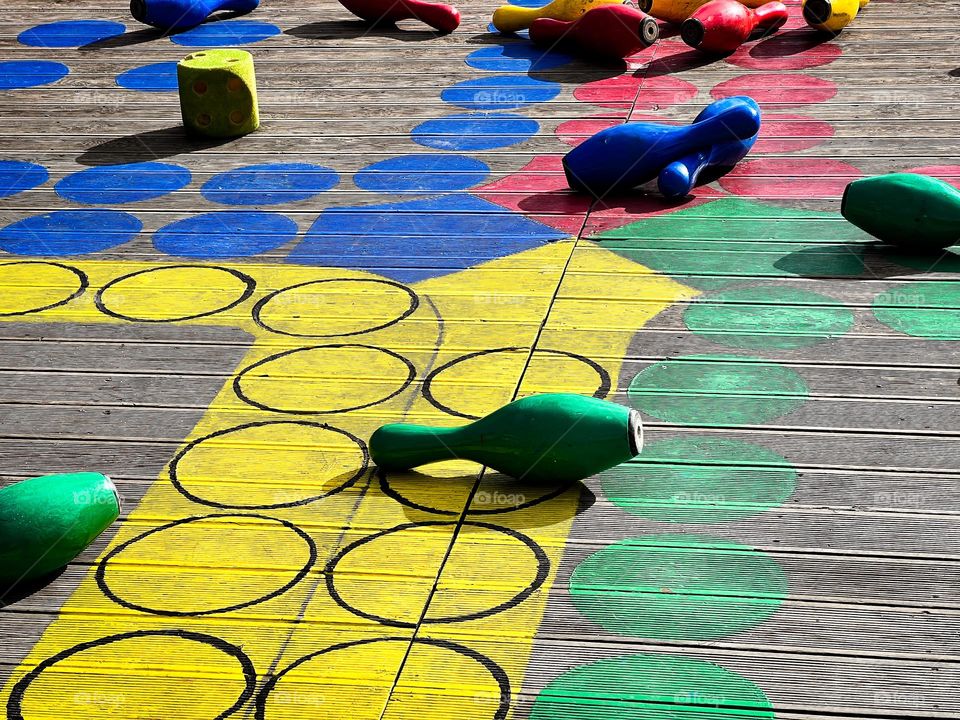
(921, 309)
(678, 587)
(767, 317)
(651, 687)
(700, 480)
(500, 92)
(717, 390)
(19, 74)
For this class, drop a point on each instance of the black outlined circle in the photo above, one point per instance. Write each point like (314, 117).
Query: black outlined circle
(15, 701)
(262, 303)
(178, 484)
(543, 570)
(387, 489)
(249, 285)
(238, 380)
(300, 575)
(601, 392)
(82, 285)
(497, 672)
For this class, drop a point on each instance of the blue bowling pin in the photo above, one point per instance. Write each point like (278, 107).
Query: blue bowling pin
(701, 166)
(624, 156)
(178, 15)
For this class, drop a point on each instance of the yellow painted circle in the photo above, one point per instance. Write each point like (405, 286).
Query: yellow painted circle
(342, 306)
(440, 679)
(177, 292)
(269, 465)
(324, 379)
(205, 565)
(31, 286)
(143, 675)
(475, 385)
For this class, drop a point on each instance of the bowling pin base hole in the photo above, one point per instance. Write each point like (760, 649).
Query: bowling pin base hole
(816, 11)
(692, 32)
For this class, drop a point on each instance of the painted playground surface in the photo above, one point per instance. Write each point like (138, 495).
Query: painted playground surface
(220, 328)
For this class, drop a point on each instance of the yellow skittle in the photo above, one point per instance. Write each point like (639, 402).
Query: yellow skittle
(676, 11)
(511, 18)
(831, 16)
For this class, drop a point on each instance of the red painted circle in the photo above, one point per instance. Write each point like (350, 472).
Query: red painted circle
(778, 90)
(791, 50)
(947, 173)
(574, 132)
(774, 178)
(791, 133)
(620, 92)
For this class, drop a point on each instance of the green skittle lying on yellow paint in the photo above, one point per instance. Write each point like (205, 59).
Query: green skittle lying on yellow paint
(45, 522)
(913, 211)
(556, 437)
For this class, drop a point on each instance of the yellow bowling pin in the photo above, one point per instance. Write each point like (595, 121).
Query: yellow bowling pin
(511, 18)
(831, 16)
(676, 11)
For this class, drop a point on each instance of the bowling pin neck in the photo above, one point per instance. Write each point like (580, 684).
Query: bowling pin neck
(771, 16)
(444, 18)
(737, 122)
(547, 30)
(511, 18)
(401, 447)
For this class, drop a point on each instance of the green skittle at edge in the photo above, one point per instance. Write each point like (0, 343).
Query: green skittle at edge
(554, 437)
(912, 211)
(45, 522)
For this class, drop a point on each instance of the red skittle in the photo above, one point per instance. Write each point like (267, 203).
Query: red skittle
(721, 26)
(444, 18)
(613, 31)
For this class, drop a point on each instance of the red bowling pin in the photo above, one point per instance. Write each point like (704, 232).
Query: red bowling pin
(612, 31)
(721, 26)
(444, 18)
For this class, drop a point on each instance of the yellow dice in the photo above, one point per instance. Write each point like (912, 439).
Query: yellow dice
(218, 93)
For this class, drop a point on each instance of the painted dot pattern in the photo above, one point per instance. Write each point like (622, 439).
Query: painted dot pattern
(269, 184)
(17, 176)
(18, 74)
(422, 174)
(118, 184)
(70, 33)
(226, 33)
(225, 234)
(69, 232)
(500, 92)
(475, 131)
(156, 77)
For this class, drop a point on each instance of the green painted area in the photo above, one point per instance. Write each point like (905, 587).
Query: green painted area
(729, 238)
(717, 390)
(768, 317)
(651, 687)
(921, 309)
(940, 261)
(700, 480)
(678, 587)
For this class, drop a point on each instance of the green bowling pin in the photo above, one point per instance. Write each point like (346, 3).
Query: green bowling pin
(45, 522)
(556, 437)
(913, 211)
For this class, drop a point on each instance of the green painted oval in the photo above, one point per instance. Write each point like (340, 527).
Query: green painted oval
(768, 317)
(700, 480)
(678, 587)
(921, 309)
(717, 390)
(651, 687)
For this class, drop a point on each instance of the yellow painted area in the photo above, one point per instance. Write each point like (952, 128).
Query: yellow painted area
(270, 490)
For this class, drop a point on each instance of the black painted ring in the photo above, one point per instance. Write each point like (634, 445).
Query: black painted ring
(81, 276)
(258, 308)
(249, 286)
(543, 570)
(301, 574)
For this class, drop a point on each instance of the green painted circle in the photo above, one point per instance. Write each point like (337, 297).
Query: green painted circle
(650, 687)
(921, 309)
(716, 390)
(700, 480)
(768, 317)
(946, 260)
(678, 587)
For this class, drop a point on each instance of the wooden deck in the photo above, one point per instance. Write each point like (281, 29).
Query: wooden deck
(223, 346)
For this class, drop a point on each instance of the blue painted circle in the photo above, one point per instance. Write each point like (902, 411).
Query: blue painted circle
(69, 232)
(520, 33)
(422, 173)
(270, 184)
(225, 234)
(500, 92)
(516, 57)
(30, 73)
(158, 77)
(70, 33)
(475, 131)
(17, 176)
(116, 184)
(226, 32)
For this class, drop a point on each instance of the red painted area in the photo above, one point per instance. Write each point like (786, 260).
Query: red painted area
(947, 173)
(574, 132)
(614, 212)
(778, 90)
(791, 133)
(773, 178)
(791, 50)
(620, 92)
